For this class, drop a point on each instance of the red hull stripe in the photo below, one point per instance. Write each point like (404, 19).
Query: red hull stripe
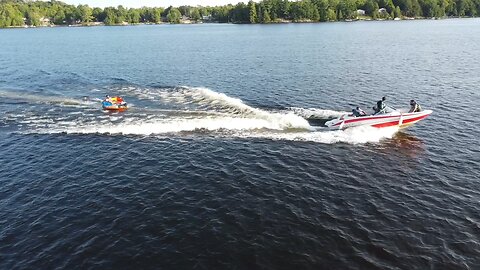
(395, 123)
(381, 117)
(363, 118)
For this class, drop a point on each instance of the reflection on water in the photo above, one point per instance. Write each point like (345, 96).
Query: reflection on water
(405, 144)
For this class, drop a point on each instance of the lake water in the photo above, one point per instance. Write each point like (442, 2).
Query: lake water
(214, 165)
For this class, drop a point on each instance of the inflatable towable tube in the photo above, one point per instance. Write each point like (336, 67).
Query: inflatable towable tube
(114, 104)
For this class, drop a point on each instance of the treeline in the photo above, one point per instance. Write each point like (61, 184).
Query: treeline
(333, 10)
(15, 13)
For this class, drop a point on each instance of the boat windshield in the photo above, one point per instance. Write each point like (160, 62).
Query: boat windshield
(387, 110)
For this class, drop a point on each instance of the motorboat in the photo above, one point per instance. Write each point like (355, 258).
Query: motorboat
(391, 117)
(114, 104)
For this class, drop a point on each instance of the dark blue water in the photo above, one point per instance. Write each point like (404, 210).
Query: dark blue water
(215, 166)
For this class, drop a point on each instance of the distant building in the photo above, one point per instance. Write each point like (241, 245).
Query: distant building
(360, 12)
(185, 19)
(207, 18)
(45, 21)
(382, 11)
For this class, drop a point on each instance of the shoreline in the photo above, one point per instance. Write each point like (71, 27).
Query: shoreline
(97, 24)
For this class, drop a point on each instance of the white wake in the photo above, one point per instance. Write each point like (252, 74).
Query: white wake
(221, 115)
(356, 135)
(316, 113)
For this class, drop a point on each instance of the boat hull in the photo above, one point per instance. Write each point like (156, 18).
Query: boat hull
(401, 120)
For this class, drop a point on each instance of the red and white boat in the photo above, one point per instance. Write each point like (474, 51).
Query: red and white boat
(390, 119)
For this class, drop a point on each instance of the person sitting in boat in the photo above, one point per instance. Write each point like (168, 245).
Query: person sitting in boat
(107, 98)
(380, 108)
(357, 112)
(414, 107)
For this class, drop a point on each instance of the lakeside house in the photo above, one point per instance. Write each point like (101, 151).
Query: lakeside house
(382, 11)
(360, 12)
(185, 20)
(44, 21)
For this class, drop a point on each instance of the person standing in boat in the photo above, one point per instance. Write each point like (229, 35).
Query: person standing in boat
(414, 107)
(380, 106)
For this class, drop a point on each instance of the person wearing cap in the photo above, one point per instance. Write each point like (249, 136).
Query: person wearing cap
(414, 107)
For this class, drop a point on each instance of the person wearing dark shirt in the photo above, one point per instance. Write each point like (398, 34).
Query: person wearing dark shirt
(380, 106)
(358, 112)
(414, 106)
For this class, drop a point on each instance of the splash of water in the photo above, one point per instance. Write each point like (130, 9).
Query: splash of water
(356, 135)
(315, 113)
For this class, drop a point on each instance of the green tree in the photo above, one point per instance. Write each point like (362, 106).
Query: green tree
(110, 16)
(315, 15)
(469, 8)
(369, 7)
(303, 10)
(174, 16)
(331, 15)
(239, 14)
(157, 15)
(85, 13)
(221, 14)
(284, 9)
(204, 11)
(195, 15)
(98, 14)
(71, 15)
(348, 8)
(252, 12)
(322, 7)
(397, 13)
(122, 14)
(59, 17)
(266, 17)
(375, 13)
(184, 10)
(33, 18)
(10, 15)
(133, 15)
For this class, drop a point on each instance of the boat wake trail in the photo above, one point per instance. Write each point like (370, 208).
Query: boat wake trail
(178, 111)
(15, 96)
(314, 113)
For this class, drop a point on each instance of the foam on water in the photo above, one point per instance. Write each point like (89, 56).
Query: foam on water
(162, 126)
(242, 127)
(214, 102)
(356, 135)
(316, 113)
